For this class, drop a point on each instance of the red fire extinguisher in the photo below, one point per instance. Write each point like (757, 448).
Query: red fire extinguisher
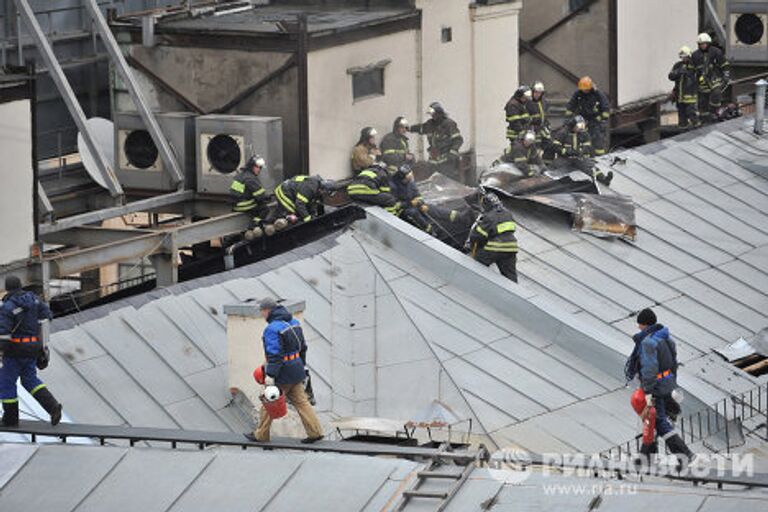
(649, 426)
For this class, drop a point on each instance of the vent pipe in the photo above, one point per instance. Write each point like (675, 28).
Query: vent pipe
(760, 105)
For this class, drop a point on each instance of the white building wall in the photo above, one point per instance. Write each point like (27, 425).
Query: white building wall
(335, 119)
(446, 68)
(650, 33)
(16, 181)
(495, 49)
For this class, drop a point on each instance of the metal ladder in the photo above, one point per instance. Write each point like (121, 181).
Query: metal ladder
(432, 472)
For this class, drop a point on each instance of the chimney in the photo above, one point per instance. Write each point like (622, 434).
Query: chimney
(246, 351)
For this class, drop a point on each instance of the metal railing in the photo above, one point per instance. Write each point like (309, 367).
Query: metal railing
(726, 416)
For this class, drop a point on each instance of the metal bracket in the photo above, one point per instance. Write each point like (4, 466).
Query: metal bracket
(68, 95)
(110, 43)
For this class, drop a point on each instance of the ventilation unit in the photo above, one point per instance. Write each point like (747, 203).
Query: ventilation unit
(226, 142)
(137, 159)
(747, 29)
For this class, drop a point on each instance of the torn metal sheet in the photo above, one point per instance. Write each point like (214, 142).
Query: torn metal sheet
(595, 210)
(742, 348)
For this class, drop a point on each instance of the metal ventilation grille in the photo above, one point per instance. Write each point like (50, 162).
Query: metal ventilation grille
(224, 153)
(749, 28)
(140, 149)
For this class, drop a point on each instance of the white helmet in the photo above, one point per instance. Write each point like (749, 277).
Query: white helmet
(704, 38)
(271, 393)
(529, 137)
(538, 86)
(684, 52)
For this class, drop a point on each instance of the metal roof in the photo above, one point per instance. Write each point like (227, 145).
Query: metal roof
(263, 19)
(395, 319)
(149, 479)
(176, 480)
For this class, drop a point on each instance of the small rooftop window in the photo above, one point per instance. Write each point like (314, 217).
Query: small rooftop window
(446, 34)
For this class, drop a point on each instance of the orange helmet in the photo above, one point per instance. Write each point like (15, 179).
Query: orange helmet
(638, 401)
(585, 84)
(258, 374)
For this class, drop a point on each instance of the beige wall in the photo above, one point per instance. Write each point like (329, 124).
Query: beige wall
(16, 181)
(495, 49)
(581, 45)
(648, 44)
(335, 120)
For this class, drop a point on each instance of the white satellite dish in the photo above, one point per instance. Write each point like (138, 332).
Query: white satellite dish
(103, 131)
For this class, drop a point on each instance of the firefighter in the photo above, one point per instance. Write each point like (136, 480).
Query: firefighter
(444, 138)
(284, 343)
(686, 86)
(518, 115)
(713, 73)
(526, 155)
(432, 218)
(654, 361)
(22, 351)
(574, 148)
(249, 196)
(395, 150)
(365, 151)
(538, 108)
(371, 186)
(591, 104)
(492, 237)
(300, 198)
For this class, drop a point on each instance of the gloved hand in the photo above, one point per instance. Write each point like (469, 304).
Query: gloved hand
(424, 208)
(416, 202)
(269, 381)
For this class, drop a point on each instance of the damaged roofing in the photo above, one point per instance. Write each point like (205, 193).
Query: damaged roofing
(395, 319)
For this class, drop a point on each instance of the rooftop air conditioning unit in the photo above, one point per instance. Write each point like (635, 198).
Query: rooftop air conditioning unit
(226, 142)
(137, 160)
(747, 30)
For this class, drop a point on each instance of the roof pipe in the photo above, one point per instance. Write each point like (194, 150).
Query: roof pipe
(760, 105)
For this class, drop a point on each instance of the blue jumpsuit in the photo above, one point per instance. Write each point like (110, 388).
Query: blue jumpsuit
(20, 316)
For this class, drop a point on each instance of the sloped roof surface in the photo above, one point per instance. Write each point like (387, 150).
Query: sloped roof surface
(161, 479)
(395, 319)
(130, 479)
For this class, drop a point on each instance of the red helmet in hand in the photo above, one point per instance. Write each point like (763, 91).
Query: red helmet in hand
(258, 374)
(638, 401)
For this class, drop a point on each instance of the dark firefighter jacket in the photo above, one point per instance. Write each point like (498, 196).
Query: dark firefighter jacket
(443, 136)
(593, 106)
(394, 147)
(686, 86)
(300, 195)
(518, 118)
(524, 157)
(283, 343)
(712, 68)
(570, 144)
(372, 186)
(494, 231)
(246, 192)
(20, 315)
(654, 358)
(538, 112)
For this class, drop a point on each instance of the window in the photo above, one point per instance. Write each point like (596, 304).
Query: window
(446, 35)
(368, 81)
(575, 5)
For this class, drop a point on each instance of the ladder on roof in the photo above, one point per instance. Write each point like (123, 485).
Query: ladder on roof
(442, 478)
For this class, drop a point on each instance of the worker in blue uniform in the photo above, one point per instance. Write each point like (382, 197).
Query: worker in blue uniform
(654, 360)
(22, 351)
(284, 345)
